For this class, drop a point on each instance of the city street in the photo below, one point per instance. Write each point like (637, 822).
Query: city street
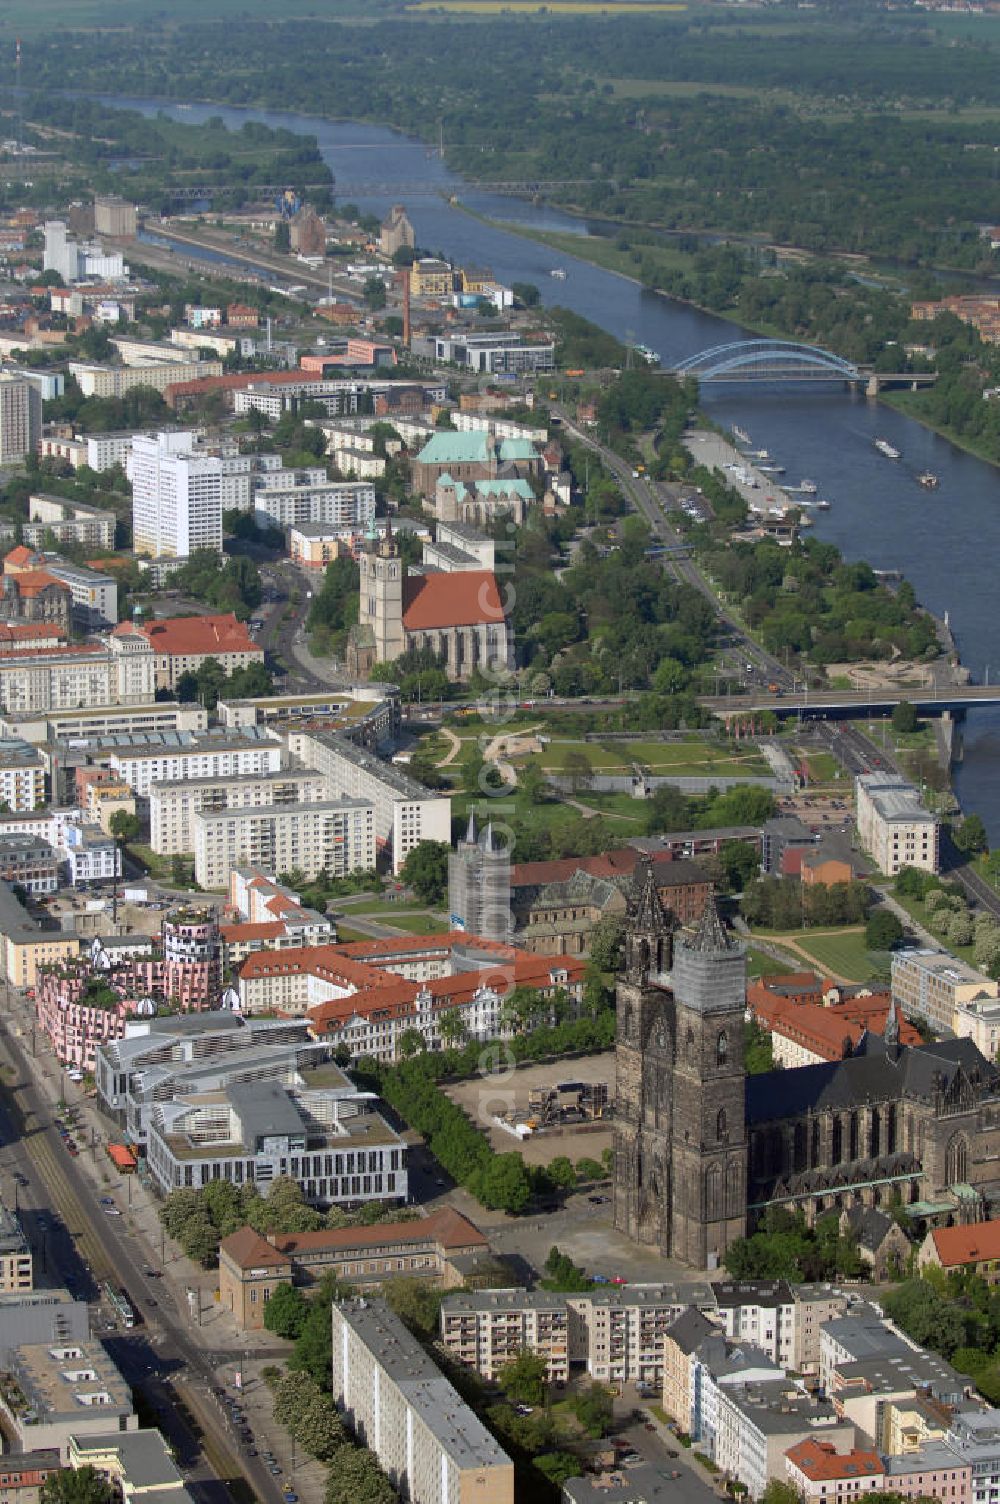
(183, 1346)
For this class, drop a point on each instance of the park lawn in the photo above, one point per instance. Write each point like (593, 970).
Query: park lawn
(843, 952)
(552, 815)
(822, 766)
(371, 904)
(761, 964)
(157, 867)
(415, 924)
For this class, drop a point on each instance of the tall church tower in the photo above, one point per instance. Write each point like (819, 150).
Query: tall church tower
(708, 1154)
(479, 884)
(381, 606)
(643, 1062)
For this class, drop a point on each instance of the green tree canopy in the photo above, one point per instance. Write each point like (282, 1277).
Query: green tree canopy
(356, 1478)
(286, 1311)
(524, 1378)
(425, 870)
(82, 1485)
(883, 930)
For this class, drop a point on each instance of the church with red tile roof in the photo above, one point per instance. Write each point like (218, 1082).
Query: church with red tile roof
(459, 614)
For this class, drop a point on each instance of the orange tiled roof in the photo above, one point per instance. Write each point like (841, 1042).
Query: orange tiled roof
(821, 1462)
(435, 601)
(251, 1251)
(828, 1032)
(21, 554)
(33, 581)
(956, 1246)
(28, 631)
(447, 1227)
(186, 635)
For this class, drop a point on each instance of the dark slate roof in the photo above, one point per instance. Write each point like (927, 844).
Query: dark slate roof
(869, 1226)
(690, 1329)
(872, 1075)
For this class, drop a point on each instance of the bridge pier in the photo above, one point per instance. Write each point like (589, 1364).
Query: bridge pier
(874, 387)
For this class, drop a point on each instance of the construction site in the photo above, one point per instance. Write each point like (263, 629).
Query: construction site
(545, 1110)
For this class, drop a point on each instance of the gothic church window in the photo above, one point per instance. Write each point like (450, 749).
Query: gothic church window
(720, 1124)
(713, 1193)
(956, 1160)
(722, 1048)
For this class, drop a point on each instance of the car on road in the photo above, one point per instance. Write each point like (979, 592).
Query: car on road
(20, 1179)
(290, 1498)
(112, 1211)
(108, 1201)
(597, 1200)
(274, 1469)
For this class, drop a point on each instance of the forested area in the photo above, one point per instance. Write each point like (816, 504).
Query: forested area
(853, 136)
(162, 154)
(807, 600)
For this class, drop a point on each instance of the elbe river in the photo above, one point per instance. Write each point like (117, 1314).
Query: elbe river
(945, 541)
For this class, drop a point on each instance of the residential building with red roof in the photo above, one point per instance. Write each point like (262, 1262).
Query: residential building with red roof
(27, 636)
(267, 916)
(181, 644)
(29, 593)
(365, 996)
(822, 1475)
(811, 1020)
(443, 1248)
(972, 1247)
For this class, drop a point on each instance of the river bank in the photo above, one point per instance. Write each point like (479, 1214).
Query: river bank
(944, 541)
(600, 251)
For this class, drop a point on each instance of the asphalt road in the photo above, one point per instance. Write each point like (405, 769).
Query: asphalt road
(79, 1245)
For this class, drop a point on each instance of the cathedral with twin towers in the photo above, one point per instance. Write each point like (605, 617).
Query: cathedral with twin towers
(702, 1148)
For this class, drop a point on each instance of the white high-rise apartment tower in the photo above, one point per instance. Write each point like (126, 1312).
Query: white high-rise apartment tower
(20, 418)
(176, 496)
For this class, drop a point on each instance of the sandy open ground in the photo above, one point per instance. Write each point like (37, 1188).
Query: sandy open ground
(483, 1095)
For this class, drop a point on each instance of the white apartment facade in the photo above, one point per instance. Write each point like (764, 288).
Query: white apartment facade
(893, 825)
(114, 381)
(142, 767)
(314, 498)
(72, 677)
(488, 1329)
(616, 1334)
(336, 836)
(22, 777)
(405, 813)
(176, 496)
(69, 522)
(173, 806)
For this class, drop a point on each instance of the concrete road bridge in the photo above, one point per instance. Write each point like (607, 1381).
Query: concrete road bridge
(857, 704)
